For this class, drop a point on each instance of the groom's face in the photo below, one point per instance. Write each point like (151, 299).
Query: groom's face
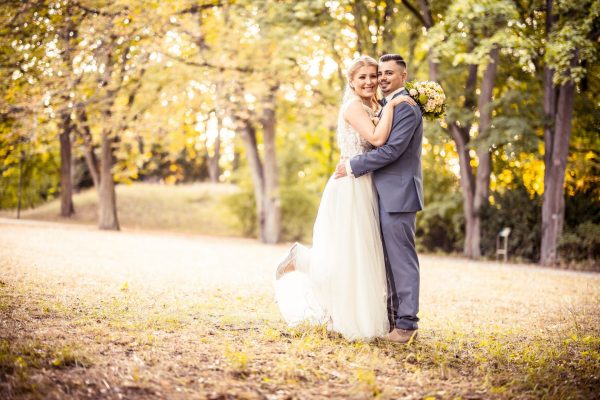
(390, 76)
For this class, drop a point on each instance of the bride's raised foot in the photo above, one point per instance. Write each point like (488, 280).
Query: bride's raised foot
(288, 264)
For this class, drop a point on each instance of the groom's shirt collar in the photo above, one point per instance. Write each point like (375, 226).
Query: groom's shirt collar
(394, 93)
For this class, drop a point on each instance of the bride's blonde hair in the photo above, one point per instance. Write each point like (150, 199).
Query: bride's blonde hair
(354, 66)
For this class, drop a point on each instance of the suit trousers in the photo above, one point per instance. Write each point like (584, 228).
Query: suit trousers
(402, 267)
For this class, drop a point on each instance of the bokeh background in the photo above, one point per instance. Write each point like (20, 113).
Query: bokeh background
(219, 117)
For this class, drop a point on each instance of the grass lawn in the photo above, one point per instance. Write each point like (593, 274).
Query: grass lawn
(195, 208)
(95, 314)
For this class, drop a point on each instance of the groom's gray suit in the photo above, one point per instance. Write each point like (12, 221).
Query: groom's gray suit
(396, 168)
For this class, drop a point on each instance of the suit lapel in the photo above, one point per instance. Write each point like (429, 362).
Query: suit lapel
(382, 101)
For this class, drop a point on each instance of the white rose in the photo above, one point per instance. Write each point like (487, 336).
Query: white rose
(413, 92)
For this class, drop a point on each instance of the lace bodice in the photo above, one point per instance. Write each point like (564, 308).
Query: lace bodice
(349, 140)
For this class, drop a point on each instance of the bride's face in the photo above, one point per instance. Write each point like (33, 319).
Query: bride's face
(364, 81)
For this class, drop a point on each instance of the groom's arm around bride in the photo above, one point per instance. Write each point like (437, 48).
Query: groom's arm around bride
(399, 157)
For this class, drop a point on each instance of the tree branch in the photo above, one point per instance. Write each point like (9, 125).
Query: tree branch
(199, 7)
(197, 39)
(99, 12)
(204, 64)
(426, 12)
(414, 11)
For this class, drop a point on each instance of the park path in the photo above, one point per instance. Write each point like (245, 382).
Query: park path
(86, 260)
(149, 260)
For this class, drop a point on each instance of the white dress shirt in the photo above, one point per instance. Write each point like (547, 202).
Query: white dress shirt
(388, 98)
(391, 95)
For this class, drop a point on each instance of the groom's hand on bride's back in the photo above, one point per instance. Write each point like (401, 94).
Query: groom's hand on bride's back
(340, 170)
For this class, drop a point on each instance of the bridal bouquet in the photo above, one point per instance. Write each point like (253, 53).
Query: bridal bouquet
(430, 97)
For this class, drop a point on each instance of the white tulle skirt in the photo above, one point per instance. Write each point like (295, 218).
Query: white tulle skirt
(341, 280)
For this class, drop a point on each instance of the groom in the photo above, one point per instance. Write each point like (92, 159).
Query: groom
(396, 168)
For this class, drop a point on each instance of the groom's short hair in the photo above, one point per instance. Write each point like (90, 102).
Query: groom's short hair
(393, 57)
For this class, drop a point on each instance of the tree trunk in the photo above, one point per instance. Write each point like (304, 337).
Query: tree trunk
(433, 67)
(428, 24)
(107, 196)
(547, 250)
(92, 164)
(484, 169)
(107, 218)
(88, 151)
(558, 113)
(20, 188)
(553, 207)
(265, 175)
(272, 203)
(67, 35)
(213, 161)
(256, 171)
(461, 137)
(550, 96)
(467, 183)
(387, 36)
(358, 25)
(66, 178)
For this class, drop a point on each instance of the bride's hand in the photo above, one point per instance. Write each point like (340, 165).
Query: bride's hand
(403, 99)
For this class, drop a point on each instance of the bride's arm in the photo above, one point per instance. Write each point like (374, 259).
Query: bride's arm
(360, 120)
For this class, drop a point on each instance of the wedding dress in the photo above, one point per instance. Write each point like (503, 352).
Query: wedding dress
(341, 280)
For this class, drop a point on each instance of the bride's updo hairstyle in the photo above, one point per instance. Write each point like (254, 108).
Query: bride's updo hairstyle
(353, 68)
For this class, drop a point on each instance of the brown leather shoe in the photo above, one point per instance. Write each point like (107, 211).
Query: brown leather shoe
(402, 335)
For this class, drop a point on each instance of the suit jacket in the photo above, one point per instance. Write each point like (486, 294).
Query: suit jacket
(396, 165)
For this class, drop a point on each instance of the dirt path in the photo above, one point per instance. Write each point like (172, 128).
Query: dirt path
(211, 300)
(154, 261)
(81, 258)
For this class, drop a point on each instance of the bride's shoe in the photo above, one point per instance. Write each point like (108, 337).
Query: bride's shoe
(288, 264)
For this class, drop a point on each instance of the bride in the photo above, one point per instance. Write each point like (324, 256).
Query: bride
(341, 280)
